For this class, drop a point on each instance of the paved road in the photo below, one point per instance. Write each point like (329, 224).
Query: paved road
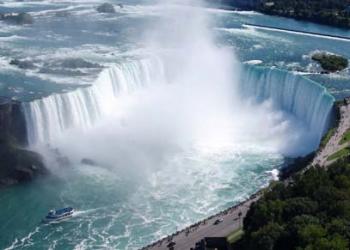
(187, 238)
(333, 144)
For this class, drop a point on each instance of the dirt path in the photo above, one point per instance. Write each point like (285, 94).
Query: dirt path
(333, 144)
(186, 239)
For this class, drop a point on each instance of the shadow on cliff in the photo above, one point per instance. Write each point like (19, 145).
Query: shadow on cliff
(17, 164)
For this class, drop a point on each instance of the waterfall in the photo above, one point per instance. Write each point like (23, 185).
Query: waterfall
(48, 117)
(307, 100)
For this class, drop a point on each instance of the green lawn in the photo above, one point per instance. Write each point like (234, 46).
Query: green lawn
(340, 154)
(235, 236)
(345, 138)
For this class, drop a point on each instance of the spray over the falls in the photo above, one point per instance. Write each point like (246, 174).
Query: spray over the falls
(189, 93)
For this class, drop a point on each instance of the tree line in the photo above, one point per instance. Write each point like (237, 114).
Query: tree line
(330, 12)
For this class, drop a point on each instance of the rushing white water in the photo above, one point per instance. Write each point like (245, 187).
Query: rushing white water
(305, 99)
(48, 118)
(208, 89)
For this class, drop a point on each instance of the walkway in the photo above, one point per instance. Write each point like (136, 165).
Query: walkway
(333, 144)
(187, 238)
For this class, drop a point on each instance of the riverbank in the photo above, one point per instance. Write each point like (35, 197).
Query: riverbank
(336, 14)
(231, 219)
(336, 144)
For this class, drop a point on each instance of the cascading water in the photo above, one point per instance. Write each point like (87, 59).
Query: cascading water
(305, 99)
(49, 117)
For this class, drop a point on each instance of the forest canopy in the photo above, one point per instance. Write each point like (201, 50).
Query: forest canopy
(313, 212)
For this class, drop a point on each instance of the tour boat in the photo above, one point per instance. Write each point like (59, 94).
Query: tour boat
(60, 214)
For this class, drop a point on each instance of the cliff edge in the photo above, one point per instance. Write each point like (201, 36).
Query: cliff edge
(17, 164)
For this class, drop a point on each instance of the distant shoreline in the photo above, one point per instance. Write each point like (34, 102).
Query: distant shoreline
(262, 7)
(297, 31)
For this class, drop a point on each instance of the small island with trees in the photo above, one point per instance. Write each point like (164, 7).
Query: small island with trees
(330, 62)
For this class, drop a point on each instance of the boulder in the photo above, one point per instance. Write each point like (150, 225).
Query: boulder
(19, 165)
(19, 19)
(23, 64)
(106, 8)
(87, 161)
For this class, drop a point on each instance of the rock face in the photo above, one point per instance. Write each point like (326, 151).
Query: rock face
(19, 19)
(106, 8)
(19, 165)
(16, 164)
(12, 122)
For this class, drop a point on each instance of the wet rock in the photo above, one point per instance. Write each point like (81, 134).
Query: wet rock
(23, 64)
(12, 122)
(62, 14)
(64, 72)
(19, 19)
(89, 162)
(106, 8)
(75, 63)
(16, 164)
(19, 165)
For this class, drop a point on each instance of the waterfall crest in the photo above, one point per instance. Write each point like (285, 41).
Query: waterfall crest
(307, 100)
(47, 118)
